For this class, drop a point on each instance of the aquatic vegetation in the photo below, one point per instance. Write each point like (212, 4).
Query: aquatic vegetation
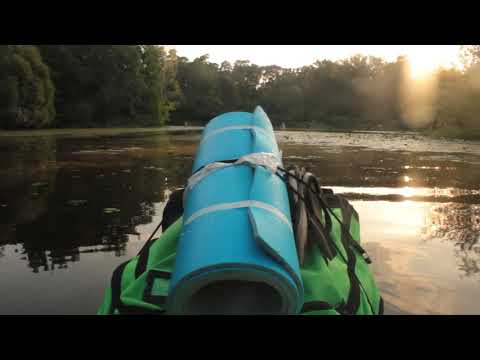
(455, 133)
(77, 202)
(111, 210)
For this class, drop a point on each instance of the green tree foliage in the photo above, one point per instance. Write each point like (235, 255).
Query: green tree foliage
(113, 84)
(88, 85)
(458, 98)
(161, 87)
(200, 86)
(360, 92)
(26, 90)
(246, 77)
(470, 55)
(283, 95)
(144, 85)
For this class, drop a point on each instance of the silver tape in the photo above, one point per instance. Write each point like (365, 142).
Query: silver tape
(267, 160)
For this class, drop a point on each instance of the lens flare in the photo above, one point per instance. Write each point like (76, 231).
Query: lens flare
(419, 94)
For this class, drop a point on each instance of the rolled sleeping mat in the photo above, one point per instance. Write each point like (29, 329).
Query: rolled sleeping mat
(236, 253)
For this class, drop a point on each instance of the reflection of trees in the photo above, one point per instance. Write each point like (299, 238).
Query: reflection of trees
(460, 224)
(403, 292)
(27, 171)
(56, 230)
(469, 262)
(27, 176)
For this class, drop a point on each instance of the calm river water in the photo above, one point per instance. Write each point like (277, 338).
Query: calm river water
(418, 200)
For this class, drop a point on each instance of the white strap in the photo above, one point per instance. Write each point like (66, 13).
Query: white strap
(204, 172)
(238, 205)
(235, 127)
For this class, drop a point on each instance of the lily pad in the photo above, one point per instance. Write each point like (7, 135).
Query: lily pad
(111, 210)
(153, 168)
(77, 202)
(37, 184)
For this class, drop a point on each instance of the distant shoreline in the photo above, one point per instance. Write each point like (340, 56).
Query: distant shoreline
(453, 133)
(80, 132)
(112, 131)
(471, 134)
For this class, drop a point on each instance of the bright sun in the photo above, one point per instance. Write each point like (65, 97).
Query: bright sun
(420, 67)
(424, 60)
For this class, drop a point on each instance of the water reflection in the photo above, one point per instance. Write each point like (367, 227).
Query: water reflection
(342, 166)
(55, 195)
(455, 223)
(417, 271)
(460, 225)
(72, 209)
(410, 193)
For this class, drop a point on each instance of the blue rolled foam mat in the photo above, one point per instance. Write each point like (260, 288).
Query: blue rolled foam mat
(220, 144)
(236, 253)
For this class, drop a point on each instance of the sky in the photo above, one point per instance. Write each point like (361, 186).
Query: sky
(423, 57)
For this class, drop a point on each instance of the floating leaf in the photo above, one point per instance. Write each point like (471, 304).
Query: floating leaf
(77, 202)
(111, 210)
(153, 168)
(37, 184)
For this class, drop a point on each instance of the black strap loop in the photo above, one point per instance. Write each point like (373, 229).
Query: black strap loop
(315, 306)
(143, 259)
(172, 211)
(154, 274)
(323, 305)
(116, 287)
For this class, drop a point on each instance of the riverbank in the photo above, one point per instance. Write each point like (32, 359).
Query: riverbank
(446, 133)
(94, 132)
(453, 133)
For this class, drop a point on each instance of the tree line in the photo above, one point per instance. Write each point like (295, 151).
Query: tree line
(145, 85)
(86, 85)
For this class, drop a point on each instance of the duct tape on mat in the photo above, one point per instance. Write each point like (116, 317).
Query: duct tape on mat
(267, 160)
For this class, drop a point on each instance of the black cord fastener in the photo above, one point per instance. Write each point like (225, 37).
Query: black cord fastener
(307, 214)
(314, 188)
(302, 195)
